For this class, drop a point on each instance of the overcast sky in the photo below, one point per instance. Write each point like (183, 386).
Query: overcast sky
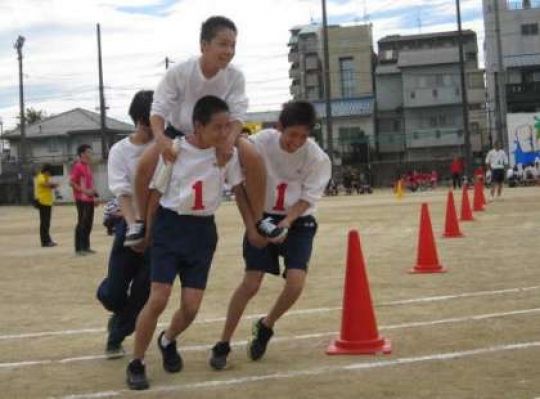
(60, 53)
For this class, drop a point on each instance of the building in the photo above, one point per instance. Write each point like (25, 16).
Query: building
(55, 140)
(419, 101)
(351, 59)
(520, 57)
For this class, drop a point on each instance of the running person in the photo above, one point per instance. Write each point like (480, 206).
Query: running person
(184, 235)
(298, 172)
(183, 85)
(125, 289)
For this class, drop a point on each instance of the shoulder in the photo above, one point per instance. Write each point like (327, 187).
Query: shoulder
(316, 152)
(264, 136)
(234, 71)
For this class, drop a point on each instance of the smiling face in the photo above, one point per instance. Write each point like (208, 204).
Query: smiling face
(220, 50)
(216, 131)
(293, 137)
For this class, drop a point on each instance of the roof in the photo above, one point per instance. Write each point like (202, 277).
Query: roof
(77, 120)
(412, 58)
(521, 60)
(425, 36)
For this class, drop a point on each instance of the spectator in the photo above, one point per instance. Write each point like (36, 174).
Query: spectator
(44, 199)
(456, 170)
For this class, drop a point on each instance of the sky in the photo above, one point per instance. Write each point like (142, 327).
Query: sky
(60, 51)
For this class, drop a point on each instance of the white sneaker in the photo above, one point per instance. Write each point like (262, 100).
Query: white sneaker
(267, 228)
(134, 234)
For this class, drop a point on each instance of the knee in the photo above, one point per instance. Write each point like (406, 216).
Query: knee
(157, 302)
(250, 288)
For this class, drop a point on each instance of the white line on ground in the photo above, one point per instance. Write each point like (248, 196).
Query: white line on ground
(291, 313)
(317, 371)
(206, 347)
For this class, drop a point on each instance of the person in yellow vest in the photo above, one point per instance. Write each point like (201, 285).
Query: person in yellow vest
(44, 199)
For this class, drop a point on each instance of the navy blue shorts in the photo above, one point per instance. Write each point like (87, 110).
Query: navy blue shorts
(172, 132)
(295, 250)
(182, 245)
(497, 175)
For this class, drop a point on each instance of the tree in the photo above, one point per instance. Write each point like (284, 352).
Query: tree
(34, 115)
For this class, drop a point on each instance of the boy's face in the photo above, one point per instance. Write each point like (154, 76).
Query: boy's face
(293, 137)
(86, 156)
(220, 50)
(216, 131)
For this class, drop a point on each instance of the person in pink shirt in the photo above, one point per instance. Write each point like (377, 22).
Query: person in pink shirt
(84, 193)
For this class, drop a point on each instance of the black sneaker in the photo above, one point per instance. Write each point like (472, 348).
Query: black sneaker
(134, 234)
(136, 375)
(218, 356)
(261, 336)
(267, 228)
(172, 361)
(114, 350)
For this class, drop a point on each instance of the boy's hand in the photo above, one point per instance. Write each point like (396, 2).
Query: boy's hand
(165, 145)
(256, 239)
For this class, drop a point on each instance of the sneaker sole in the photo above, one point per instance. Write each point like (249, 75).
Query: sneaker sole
(137, 387)
(115, 355)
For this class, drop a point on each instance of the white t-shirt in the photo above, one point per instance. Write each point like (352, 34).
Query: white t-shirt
(196, 184)
(496, 159)
(184, 84)
(302, 175)
(121, 166)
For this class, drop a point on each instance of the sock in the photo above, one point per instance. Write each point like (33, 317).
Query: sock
(164, 342)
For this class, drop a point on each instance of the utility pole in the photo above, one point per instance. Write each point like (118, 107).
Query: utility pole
(500, 84)
(104, 141)
(464, 100)
(19, 43)
(167, 62)
(327, 87)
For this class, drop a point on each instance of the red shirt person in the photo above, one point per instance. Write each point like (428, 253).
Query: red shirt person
(84, 193)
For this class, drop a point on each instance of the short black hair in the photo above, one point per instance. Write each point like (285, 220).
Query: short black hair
(139, 109)
(82, 148)
(46, 168)
(211, 27)
(296, 113)
(206, 107)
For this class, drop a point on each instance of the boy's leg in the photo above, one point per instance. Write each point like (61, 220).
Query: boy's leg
(143, 176)
(190, 302)
(147, 320)
(294, 285)
(255, 176)
(239, 300)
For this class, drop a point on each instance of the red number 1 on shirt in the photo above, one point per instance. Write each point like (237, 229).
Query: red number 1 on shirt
(280, 201)
(198, 203)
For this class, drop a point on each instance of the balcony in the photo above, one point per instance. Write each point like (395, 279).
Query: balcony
(523, 93)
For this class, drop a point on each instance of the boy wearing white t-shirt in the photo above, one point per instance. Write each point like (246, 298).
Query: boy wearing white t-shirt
(209, 74)
(184, 235)
(496, 161)
(125, 289)
(298, 171)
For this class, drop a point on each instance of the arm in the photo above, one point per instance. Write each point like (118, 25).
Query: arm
(247, 216)
(166, 97)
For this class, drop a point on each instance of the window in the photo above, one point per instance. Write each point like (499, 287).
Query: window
(529, 29)
(413, 94)
(433, 121)
(348, 84)
(397, 126)
(52, 144)
(435, 93)
(442, 120)
(471, 56)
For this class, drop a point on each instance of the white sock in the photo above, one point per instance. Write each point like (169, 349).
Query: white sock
(164, 341)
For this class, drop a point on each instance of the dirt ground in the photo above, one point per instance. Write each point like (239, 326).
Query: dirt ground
(473, 332)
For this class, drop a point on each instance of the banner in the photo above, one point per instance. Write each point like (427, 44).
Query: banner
(524, 138)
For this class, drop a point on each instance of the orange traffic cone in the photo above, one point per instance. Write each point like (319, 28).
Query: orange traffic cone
(359, 335)
(427, 261)
(451, 225)
(478, 204)
(466, 213)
